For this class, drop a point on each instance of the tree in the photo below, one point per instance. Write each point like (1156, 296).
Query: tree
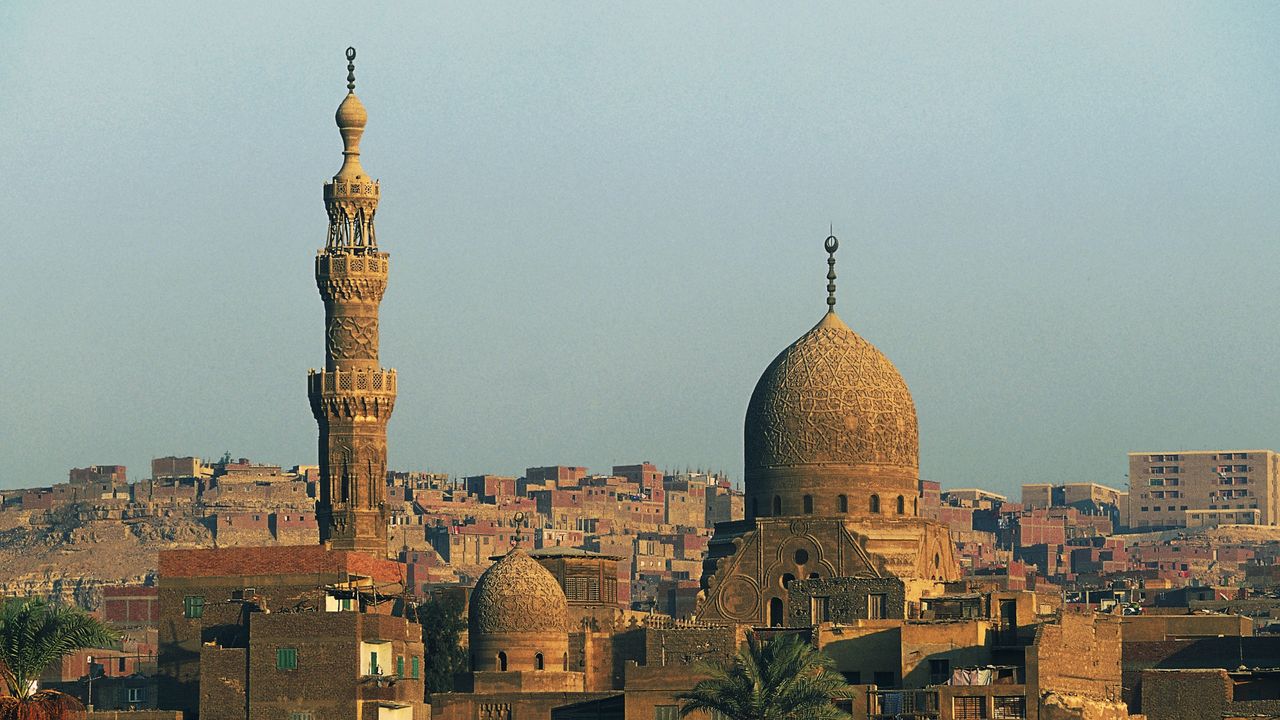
(785, 678)
(442, 625)
(34, 634)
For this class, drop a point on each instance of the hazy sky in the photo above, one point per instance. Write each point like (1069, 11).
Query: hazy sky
(1060, 221)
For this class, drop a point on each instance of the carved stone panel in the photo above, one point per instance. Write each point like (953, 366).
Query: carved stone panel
(352, 338)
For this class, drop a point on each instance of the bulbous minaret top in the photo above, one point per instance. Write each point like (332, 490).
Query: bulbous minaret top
(351, 118)
(352, 197)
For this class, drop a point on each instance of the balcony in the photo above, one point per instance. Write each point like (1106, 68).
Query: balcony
(905, 704)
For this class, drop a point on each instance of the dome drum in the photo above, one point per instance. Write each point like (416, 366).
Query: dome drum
(519, 652)
(832, 490)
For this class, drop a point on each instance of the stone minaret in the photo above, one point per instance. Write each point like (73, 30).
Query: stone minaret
(352, 397)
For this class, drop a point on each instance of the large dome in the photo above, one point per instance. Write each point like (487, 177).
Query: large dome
(831, 398)
(517, 595)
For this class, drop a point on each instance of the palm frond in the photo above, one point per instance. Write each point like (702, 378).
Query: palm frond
(35, 634)
(770, 680)
(44, 705)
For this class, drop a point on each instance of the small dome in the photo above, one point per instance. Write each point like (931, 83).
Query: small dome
(517, 595)
(351, 113)
(831, 397)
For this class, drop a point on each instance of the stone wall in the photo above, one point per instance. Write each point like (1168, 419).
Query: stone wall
(846, 598)
(1185, 694)
(222, 690)
(689, 645)
(1078, 655)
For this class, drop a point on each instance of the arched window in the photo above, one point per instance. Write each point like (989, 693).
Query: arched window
(808, 504)
(566, 662)
(902, 505)
(875, 504)
(537, 661)
(502, 661)
(775, 612)
(787, 579)
(842, 503)
(755, 507)
(777, 506)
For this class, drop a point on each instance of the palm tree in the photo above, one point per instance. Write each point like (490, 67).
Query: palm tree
(33, 635)
(781, 679)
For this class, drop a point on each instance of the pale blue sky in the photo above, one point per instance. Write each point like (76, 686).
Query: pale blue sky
(1058, 220)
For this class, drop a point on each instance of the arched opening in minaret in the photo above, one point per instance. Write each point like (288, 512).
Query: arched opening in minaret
(775, 612)
(902, 505)
(842, 503)
(566, 662)
(537, 661)
(502, 661)
(808, 504)
(875, 504)
(777, 506)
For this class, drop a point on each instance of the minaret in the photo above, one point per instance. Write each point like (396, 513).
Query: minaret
(352, 397)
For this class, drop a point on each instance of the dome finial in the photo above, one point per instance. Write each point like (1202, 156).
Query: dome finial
(832, 244)
(351, 69)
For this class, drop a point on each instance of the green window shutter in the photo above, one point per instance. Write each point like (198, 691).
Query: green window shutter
(414, 666)
(399, 666)
(286, 658)
(193, 606)
(666, 712)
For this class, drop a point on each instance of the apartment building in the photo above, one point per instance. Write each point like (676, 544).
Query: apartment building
(1190, 488)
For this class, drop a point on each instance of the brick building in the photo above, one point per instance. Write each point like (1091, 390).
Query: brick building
(264, 631)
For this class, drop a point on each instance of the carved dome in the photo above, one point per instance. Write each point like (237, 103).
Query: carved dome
(517, 595)
(831, 397)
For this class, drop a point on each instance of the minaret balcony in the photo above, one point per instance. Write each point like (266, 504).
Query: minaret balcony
(359, 382)
(351, 263)
(359, 189)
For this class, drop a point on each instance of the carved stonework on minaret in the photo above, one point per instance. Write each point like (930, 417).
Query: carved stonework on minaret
(352, 397)
(352, 338)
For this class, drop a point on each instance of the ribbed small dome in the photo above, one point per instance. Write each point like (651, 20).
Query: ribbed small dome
(831, 397)
(517, 595)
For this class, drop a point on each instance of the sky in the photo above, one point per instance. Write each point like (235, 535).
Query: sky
(1058, 220)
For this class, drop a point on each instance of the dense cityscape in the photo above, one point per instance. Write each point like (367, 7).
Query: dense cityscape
(830, 581)
(636, 539)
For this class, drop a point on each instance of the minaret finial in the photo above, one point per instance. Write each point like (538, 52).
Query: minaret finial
(832, 244)
(351, 69)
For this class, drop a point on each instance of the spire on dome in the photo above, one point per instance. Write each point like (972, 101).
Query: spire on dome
(832, 244)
